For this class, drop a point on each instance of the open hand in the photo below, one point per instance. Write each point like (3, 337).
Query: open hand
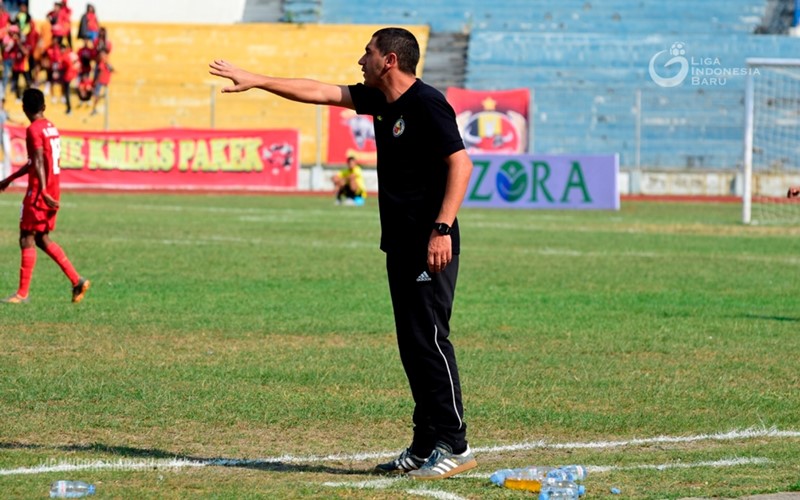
(242, 79)
(50, 201)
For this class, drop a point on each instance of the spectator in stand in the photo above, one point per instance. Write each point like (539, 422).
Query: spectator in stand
(51, 63)
(59, 24)
(85, 88)
(5, 21)
(86, 54)
(32, 40)
(102, 77)
(89, 27)
(69, 70)
(102, 42)
(65, 19)
(19, 63)
(8, 44)
(23, 20)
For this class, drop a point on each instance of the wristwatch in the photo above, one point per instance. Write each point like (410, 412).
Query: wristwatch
(441, 228)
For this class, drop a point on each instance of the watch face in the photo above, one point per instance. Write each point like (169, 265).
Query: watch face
(443, 228)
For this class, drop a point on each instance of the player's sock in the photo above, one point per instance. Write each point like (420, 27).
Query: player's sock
(57, 254)
(27, 263)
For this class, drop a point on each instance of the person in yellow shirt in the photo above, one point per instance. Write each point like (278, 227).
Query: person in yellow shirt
(349, 184)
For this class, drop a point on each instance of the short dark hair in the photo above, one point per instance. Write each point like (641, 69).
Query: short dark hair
(32, 100)
(403, 43)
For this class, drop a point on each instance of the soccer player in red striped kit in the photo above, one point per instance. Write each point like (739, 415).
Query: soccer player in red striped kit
(41, 202)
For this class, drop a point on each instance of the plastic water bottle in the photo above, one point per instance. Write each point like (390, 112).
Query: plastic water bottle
(572, 473)
(525, 478)
(556, 489)
(70, 489)
(535, 478)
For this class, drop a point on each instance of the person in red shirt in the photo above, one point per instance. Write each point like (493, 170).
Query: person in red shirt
(102, 78)
(8, 45)
(102, 42)
(85, 88)
(69, 70)
(59, 19)
(19, 53)
(51, 63)
(89, 26)
(5, 19)
(65, 20)
(41, 202)
(86, 55)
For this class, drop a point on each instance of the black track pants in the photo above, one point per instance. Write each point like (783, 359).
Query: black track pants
(422, 303)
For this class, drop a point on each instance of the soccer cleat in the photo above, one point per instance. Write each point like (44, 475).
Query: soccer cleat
(15, 299)
(406, 462)
(79, 290)
(444, 463)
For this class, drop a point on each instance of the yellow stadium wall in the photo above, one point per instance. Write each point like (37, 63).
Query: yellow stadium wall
(161, 76)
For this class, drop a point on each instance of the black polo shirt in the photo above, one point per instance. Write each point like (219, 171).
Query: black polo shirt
(413, 136)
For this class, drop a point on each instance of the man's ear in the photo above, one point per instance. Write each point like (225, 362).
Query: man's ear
(391, 60)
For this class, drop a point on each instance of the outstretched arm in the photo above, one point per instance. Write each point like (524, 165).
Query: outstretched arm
(295, 89)
(11, 178)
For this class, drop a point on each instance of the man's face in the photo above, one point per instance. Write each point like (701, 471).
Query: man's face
(372, 64)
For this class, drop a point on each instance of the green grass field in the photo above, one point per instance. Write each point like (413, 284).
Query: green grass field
(658, 345)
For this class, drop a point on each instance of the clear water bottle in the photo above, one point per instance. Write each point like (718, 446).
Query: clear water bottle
(556, 489)
(70, 489)
(572, 473)
(525, 478)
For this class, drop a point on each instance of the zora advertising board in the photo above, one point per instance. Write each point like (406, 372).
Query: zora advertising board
(544, 181)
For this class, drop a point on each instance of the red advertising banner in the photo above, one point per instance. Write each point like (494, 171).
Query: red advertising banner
(174, 158)
(350, 134)
(492, 121)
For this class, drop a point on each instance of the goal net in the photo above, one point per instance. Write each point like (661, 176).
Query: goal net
(771, 142)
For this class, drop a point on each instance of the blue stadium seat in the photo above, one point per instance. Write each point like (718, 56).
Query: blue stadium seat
(586, 61)
(585, 88)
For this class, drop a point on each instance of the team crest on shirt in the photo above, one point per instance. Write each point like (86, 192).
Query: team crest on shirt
(399, 127)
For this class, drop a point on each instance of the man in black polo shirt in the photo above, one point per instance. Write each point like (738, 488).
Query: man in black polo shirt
(423, 172)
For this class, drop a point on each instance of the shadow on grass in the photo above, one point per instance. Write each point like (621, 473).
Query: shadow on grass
(127, 452)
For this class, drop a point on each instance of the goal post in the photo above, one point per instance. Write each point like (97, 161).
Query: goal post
(771, 159)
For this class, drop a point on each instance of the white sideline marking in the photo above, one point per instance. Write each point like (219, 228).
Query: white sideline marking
(599, 469)
(439, 495)
(730, 462)
(592, 469)
(361, 457)
(726, 436)
(377, 484)
(103, 465)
